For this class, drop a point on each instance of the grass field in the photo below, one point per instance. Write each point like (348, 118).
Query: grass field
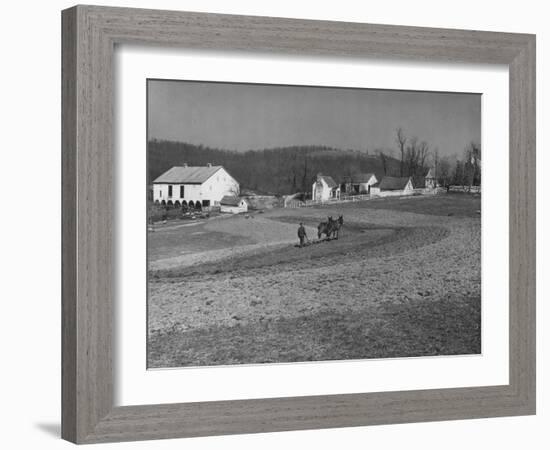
(403, 280)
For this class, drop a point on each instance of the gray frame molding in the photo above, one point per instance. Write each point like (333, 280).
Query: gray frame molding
(89, 36)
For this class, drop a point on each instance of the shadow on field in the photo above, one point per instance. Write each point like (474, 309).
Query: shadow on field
(450, 326)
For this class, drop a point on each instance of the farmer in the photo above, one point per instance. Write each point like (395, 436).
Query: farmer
(302, 234)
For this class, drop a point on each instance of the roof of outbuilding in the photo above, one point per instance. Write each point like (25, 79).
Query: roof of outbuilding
(358, 178)
(187, 174)
(230, 200)
(393, 183)
(328, 180)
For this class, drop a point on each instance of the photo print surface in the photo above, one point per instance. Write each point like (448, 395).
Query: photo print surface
(301, 223)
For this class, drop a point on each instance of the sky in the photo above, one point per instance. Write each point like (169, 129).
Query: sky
(244, 116)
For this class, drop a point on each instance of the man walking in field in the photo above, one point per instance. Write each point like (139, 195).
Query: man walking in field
(302, 234)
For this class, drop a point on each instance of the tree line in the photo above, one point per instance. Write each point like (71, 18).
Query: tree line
(289, 170)
(284, 170)
(416, 157)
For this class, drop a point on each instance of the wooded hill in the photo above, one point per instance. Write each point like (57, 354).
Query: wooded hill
(285, 170)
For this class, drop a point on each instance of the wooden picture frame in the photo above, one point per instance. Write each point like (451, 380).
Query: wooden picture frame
(89, 37)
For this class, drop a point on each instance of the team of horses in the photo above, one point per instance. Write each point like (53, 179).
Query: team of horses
(330, 228)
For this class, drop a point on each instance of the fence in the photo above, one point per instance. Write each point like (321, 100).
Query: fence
(332, 201)
(469, 189)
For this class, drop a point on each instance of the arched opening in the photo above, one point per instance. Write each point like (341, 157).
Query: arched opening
(163, 203)
(191, 204)
(177, 204)
(170, 204)
(198, 205)
(157, 203)
(184, 204)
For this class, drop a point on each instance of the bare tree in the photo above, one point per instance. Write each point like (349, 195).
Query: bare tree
(384, 162)
(305, 175)
(472, 172)
(412, 156)
(401, 141)
(423, 152)
(443, 171)
(436, 161)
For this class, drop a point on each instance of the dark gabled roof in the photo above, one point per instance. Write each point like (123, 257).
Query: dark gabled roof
(188, 174)
(358, 178)
(393, 183)
(230, 200)
(330, 182)
(419, 182)
(429, 173)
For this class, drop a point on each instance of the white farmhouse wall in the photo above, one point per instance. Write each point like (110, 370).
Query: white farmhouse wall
(408, 188)
(321, 191)
(364, 187)
(219, 185)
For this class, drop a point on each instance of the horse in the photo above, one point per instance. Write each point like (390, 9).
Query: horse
(325, 228)
(336, 225)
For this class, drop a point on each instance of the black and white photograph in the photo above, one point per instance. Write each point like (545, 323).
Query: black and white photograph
(292, 223)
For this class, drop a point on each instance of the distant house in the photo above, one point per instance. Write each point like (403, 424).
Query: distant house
(233, 205)
(358, 183)
(427, 181)
(396, 186)
(194, 186)
(325, 188)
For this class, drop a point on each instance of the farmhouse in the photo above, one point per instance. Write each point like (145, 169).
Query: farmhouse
(396, 186)
(359, 183)
(233, 205)
(325, 188)
(194, 186)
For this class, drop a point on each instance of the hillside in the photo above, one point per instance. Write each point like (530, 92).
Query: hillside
(276, 170)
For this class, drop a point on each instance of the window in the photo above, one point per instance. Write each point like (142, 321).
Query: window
(182, 191)
(169, 191)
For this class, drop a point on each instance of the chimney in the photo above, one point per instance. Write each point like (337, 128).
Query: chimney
(184, 164)
(208, 164)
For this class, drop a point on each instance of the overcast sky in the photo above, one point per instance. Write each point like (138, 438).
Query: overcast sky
(248, 116)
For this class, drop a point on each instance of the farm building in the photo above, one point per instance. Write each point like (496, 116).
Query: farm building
(396, 186)
(194, 186)
(427, 181)
(232, 204)
(325, 188)
(359, 183)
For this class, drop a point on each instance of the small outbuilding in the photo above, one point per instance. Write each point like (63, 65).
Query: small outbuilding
(427, 181)
(359, 183)
(233, 205)
(396, 186)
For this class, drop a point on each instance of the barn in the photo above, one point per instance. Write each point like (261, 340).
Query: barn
(325, 188)
(396, 186)
(194, 186)
(232, 204)
(359, 183)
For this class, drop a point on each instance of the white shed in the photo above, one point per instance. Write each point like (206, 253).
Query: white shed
(233, 205)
